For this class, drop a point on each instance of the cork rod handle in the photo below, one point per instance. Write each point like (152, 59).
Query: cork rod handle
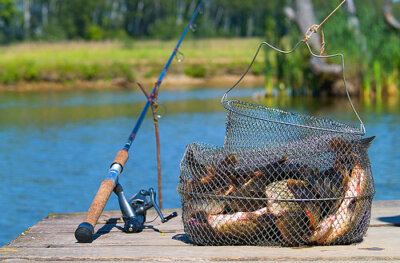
(99, 202)
(121, 157)
(84, 232)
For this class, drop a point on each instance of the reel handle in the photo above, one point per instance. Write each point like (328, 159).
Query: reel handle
(84, 232)
(172, 215)
(153, 203)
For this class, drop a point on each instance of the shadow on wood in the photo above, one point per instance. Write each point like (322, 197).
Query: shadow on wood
(110, 224)
(394, 220)
(183, 238)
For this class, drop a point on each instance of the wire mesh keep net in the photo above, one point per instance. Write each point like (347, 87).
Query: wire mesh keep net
(280, 179)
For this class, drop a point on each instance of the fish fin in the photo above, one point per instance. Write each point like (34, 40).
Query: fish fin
(284, 159)
(286, 235)
(299, 189)
(322, 231)
(346, 177)
(366, 142)
(312, 214)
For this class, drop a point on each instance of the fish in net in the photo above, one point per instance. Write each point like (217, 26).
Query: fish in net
(279, 179)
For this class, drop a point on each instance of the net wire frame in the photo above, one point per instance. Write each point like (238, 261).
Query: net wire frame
(280, 178)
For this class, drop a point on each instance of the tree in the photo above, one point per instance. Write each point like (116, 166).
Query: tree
(7, 12)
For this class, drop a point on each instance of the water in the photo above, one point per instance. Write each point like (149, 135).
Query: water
(56, 147)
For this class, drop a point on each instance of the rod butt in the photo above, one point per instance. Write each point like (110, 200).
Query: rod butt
(84, 233)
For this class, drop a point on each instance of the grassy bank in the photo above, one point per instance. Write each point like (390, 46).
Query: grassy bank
(122, 63)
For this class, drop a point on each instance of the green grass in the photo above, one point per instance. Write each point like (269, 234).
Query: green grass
(91, 61)
(48, 53)
(196, 71)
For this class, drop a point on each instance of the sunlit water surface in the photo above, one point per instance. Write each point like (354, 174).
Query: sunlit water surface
(56, 147)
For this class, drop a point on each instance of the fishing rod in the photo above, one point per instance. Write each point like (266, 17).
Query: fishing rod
(84, 232)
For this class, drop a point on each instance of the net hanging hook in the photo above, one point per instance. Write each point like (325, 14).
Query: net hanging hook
(310, 31)
(314, 29)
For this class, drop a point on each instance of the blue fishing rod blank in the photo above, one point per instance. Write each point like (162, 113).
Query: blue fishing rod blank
(84, 232)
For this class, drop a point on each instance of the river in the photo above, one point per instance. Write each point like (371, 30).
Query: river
(56, 147)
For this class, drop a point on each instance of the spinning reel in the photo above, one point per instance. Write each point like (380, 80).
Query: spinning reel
(134, 210)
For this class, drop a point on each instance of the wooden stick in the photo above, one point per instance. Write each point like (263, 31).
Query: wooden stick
(143, 90)
(154, 106)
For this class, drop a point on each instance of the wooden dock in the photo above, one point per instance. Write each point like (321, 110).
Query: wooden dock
(52, 239)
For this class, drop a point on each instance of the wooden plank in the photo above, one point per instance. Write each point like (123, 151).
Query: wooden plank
(61, 222)
(76, 218)
(52, 239)
(380, 244)
(170, 238)
(384, 213)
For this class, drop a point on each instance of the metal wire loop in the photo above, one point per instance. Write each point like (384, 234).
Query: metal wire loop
(226, 104)
(179, 56)
(164, 112)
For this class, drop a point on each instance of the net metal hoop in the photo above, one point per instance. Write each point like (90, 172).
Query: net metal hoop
(276, 199)
(230, 104)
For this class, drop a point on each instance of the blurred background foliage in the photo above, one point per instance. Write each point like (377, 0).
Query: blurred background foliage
(109, 19)
(372, 49)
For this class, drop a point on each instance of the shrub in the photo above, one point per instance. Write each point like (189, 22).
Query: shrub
(9, 74)
(90, 72)
(258, 69)
(123, 70)
(30, 71)
(195, 71)
(94, 32)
